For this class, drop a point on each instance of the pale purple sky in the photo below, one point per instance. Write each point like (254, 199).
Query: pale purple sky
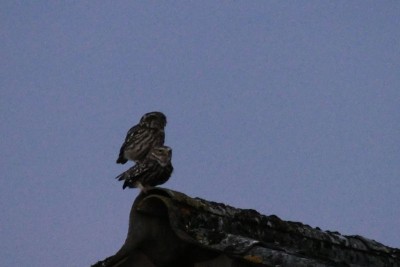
(287, 107)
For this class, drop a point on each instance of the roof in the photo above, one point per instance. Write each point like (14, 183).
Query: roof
(169, 228)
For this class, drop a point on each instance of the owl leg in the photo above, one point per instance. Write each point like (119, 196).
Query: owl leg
(141, 187)
(147, 188)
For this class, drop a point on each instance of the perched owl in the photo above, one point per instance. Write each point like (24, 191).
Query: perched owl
(154, 170)
(142, 137)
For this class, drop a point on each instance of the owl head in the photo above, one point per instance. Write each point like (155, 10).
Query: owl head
(155, 119)
(162, 154)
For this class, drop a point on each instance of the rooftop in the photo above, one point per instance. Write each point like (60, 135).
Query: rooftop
(169, 228)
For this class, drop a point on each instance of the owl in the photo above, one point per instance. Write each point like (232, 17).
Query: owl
(154, 170)
(141, 138)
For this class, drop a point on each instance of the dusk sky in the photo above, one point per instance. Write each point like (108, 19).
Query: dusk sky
(290, 108)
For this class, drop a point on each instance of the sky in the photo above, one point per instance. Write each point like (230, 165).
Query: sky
(291, 108)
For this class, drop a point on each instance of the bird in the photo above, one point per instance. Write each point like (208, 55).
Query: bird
(154, 170)
(148, 133)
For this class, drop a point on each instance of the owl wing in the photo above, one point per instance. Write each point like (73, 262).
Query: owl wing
(136, 173)
(130, 138)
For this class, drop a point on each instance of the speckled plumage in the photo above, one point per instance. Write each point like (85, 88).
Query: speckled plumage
(141, 138)
(154, 170)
